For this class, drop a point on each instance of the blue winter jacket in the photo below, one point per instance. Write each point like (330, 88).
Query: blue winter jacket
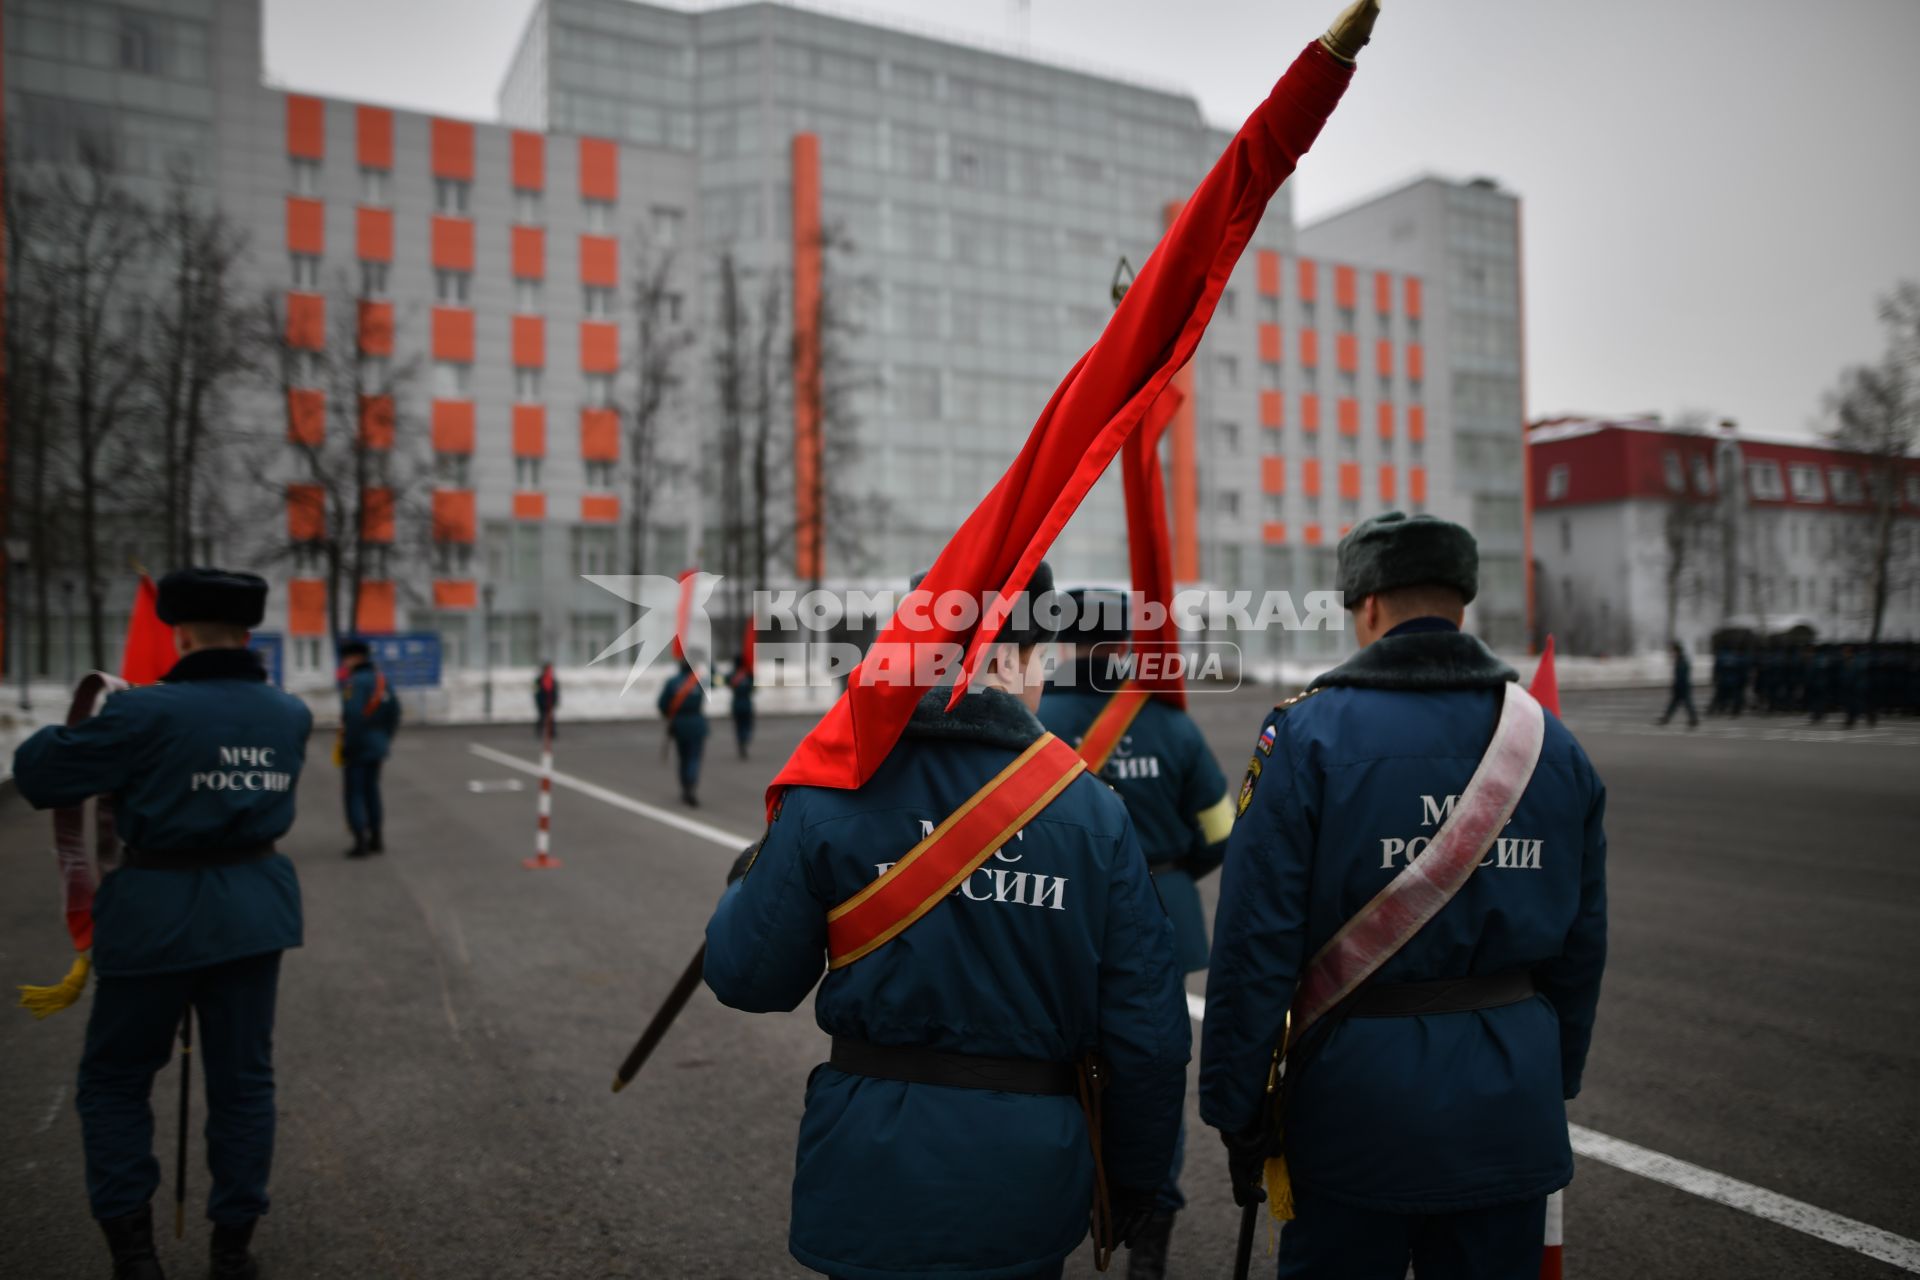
(1057, 948)
(1174, 791)
(690, 720)
(1436, 1113)
(207, 760)
(368, 724)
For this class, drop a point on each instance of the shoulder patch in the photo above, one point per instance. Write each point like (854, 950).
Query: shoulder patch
(1246, 786)
(1297, 698)
(1267, 736)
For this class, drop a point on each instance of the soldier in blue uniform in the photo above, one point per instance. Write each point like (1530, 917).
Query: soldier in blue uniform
(1182, 811)
(943, 1137)
(369, 719)
(202, 769)
(1682, 695)
(1425, 1119)
(682, 704)
(740, 682)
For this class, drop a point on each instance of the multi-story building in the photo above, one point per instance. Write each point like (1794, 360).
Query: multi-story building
(1645, 533)
(963, 208)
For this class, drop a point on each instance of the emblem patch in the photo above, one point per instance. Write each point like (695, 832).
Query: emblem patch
(1267, 736)
(1246, 787)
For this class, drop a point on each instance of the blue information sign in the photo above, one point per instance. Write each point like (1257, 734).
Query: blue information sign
(410, 658)
(271, 647)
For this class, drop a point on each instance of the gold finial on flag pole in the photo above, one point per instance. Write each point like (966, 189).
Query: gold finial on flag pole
(1351, 30)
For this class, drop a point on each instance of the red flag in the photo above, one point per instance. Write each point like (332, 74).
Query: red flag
(1149, 547)
(746, 648)
(683, 613)
(148, 652)
(1546, 685)
(1103, 400)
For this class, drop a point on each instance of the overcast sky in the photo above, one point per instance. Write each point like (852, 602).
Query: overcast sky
(1716, 191)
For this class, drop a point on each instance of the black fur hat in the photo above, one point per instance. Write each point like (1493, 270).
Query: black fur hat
(1099, 617)
(1399, 550)
(1034, 619)
(212, 595)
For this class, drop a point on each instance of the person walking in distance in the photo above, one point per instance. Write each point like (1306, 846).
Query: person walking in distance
(1682, 695)
(369, 720)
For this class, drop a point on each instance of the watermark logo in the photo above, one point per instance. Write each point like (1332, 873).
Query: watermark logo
(661, 617)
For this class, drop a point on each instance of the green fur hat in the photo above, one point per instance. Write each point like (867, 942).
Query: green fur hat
(1399, 550)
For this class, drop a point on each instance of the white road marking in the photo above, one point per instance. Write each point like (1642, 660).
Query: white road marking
(53, 1110)
(666, 817)
(1797, 1215)
(481, 786)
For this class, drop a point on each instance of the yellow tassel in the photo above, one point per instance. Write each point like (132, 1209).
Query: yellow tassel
(1279, 1189)
(42, 1001)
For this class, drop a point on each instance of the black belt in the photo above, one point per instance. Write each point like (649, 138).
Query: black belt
(192, 859)
(1448, 995)
(917, 1065)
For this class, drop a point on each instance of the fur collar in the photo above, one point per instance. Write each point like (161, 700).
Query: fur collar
(1421, 660)
(987, 715)
(217, 664)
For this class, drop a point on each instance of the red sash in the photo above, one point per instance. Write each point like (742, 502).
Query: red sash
(680, 696)
(938, 865)
(1111, 725)
(1428, 882)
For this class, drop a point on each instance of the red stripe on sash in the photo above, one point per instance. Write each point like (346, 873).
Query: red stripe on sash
(1111, 725)
(935, 867)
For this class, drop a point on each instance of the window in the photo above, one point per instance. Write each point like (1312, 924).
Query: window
(1386, 386)
(1349, 384)
(1557, 479)
(1673, 472)
(1229, 370)
(453, 288)
(526, 385)
(588, 634)
(1413, 328)
(1846, 484)
(599, 474)
(1229, 303)
(374, 185)
(1566, 535)
(596, 301)
(667, 225)
(450, 195)
(1307, 311)
(303, 368)
(304, 176)
(373, 279)
(1346, 319)
(526, 296)
(307, 559)
(670, 304)
(377, 559)
(452, 380)
(593, 550)
(453, 559)
(1349, 446)
(139, 43)
(452, 470)
(1229, 503)
(526, 206)
(306, 271)
(598, 215)
(376, 374)
(379, 467)
(1702, 475)
(1805, 479)
(526, 473)
(1763, 481)
(597, 390)
(1228, 434)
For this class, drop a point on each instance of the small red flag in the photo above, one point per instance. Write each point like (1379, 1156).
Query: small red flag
(148, 652)
(1546, 685)
(746, 648)
(683, 613)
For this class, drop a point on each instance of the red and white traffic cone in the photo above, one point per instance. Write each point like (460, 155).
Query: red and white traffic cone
(541, 859)
(1552, 1261)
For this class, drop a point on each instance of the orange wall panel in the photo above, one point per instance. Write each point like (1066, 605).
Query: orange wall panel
(306, 321)
(529, 342)
(306, 127)
(1310, 477)
(809, 553)
(599, 260)
(529, 253)
(1273, 475)
(452, 426)
(455, 593)
(307, 607)
(1383, 357)
(1270, 343)
(1350, 481)
(376, 613)
(1385, 415)
(1273, 411)
(1267, 271)
(1309, 412)
(376, 515)
(599, 508)
(529, 506)
(599, 169)
(452, 243)
(306, 416)
(1273, 533)
(376, 328)
(373, 128)
(529, 161)
(373, 234)
(1346, 352)
(1348, 414)
(1416, 422)
(1388, 486)
(599, 346)
(1413, 295)
(306, 225)
(453, 333)
(1310, 347)
(1383, 292)
(376, 422)
(529, 431)
(1309, 280)
(1416, 361)
(1346, 288)
(306, 512)
(1311, 535)
(452, 149)
(599, 435)
(453, 515)
(1417, 484)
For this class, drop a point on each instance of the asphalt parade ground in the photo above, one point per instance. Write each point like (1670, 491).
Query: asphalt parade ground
(447, 1036)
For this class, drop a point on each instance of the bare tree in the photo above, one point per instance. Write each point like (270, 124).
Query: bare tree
(1875, 412)
(733, 382)
(661, 339)
(1686, 523)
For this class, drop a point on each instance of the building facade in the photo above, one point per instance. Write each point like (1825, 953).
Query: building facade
(1646, 533)
(961, 209)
